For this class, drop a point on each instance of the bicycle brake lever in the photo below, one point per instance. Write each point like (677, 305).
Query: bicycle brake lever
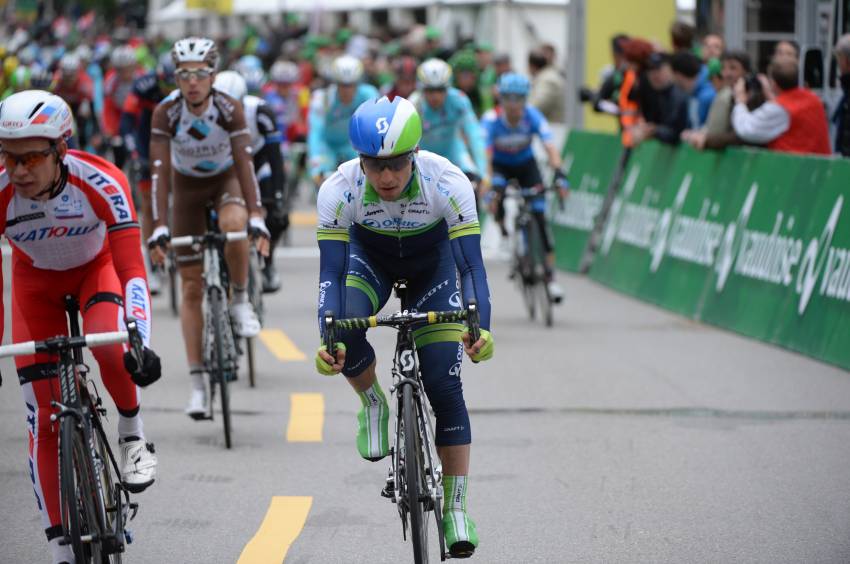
(472, 321)
(330, 336)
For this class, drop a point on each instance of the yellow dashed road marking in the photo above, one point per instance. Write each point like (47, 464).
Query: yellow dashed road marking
(281, 526)
(280, 345)
(306, 418)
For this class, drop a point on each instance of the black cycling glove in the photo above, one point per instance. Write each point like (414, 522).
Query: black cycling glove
(148, 373)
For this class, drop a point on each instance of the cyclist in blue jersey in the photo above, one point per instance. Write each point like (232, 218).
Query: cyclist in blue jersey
(392, 213)
(449, 125)
(330, 110)
(511, 128)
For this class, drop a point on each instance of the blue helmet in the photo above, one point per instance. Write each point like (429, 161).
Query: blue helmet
(380, 128)
(513, 83)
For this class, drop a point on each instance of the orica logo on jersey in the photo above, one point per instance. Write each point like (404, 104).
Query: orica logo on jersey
(382, 125)
(393, 223)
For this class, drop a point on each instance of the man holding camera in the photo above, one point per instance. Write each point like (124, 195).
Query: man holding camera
(791, 120)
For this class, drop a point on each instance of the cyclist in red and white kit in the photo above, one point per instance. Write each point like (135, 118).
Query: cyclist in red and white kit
(73, 229)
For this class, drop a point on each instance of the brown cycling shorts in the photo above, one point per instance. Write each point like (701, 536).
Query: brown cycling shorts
(191, 196)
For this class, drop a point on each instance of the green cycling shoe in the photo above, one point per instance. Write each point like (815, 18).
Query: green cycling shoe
(458, 529)
(460, 532)
(372, 424)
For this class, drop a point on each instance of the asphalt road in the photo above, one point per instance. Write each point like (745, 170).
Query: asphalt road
(624, 434)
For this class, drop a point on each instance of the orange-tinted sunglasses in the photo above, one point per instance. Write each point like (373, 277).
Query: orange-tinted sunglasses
(30, 160)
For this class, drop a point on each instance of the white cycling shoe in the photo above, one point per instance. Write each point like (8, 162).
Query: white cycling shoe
(138, 464)
(245, 321)
(555, 291)
(197, 408)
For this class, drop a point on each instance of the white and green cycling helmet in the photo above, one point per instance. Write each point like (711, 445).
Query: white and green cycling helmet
(434, 73)
(380, 128)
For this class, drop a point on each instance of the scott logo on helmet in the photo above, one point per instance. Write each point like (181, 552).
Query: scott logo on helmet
(382, 125)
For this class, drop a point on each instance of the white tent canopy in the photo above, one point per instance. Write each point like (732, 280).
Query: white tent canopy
(177, 9)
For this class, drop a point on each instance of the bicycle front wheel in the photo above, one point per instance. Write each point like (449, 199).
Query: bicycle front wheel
(255, 295)
(173, 280)
(415, 494)
(220, 365)
(111, 492)
(79, 496)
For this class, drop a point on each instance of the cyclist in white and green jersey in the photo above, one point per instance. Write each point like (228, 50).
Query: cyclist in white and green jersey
(399, 213)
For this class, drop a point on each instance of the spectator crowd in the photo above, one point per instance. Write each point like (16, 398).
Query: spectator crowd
(710, 97)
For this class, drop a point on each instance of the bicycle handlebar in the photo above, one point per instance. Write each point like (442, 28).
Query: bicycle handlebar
(57, 344)
(400, 319)
(208, 238)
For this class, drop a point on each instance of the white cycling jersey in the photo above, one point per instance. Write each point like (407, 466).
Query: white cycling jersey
(438, 192)
(200, 145)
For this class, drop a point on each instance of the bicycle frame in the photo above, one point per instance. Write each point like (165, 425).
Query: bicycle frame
(405, 372)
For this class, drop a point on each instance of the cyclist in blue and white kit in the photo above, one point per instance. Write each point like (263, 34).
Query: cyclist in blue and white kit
(510, 129)
(330, 110)
(399, 213)
(449, 125)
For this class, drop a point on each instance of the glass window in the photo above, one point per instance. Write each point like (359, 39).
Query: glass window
(709, 16)
(760, 51)
(771, 16)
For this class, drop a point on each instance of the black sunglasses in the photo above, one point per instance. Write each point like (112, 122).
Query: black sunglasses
(377, 165)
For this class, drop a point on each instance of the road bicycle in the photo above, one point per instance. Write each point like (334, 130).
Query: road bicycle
(528, 255)
(220, 348)
(95, 506)
(414, 482)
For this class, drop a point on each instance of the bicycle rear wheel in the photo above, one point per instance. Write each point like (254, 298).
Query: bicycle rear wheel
(220, 365)
(415, 494)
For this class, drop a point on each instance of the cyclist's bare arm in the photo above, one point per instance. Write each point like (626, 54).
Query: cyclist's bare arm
(160, 158)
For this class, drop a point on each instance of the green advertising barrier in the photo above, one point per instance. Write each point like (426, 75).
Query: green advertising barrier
(753, 241)
(590, 160)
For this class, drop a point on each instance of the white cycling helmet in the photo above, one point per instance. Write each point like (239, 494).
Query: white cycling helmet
(84, 52)
(35, 113)
(434, 73)
(195, 50)
(285, 72)
(231, 83)
(347, 70)
(124, 56)
(69, 63)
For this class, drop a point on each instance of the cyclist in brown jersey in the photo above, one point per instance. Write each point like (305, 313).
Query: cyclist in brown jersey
(201, 145)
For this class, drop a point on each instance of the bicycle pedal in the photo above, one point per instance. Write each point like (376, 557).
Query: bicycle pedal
(128, 536)
(388, 490)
